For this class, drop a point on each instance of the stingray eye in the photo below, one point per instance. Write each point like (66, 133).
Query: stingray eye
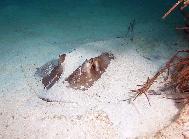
(96, 66)
(91, 61)
(93, 66)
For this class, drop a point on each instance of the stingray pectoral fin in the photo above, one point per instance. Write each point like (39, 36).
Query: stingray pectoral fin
(49, 81)
(50, 85)
(46, 80)
(52, 78)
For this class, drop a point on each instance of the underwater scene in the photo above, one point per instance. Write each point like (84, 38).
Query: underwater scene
(94, 69)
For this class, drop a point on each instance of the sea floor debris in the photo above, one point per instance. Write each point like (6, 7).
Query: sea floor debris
(177, 74)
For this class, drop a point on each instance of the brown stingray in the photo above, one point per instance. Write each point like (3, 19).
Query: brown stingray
(89, 72)
(49, 80)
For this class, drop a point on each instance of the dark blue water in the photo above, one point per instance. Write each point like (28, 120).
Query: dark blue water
(73, 20)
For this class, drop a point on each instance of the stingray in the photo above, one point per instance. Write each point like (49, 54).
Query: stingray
(51, 71)
(89, 72)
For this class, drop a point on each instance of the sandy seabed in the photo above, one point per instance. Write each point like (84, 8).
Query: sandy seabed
(34, 33)
(103, 111)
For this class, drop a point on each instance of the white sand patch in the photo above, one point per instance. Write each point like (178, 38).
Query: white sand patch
(111, 92)
(75, 113)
